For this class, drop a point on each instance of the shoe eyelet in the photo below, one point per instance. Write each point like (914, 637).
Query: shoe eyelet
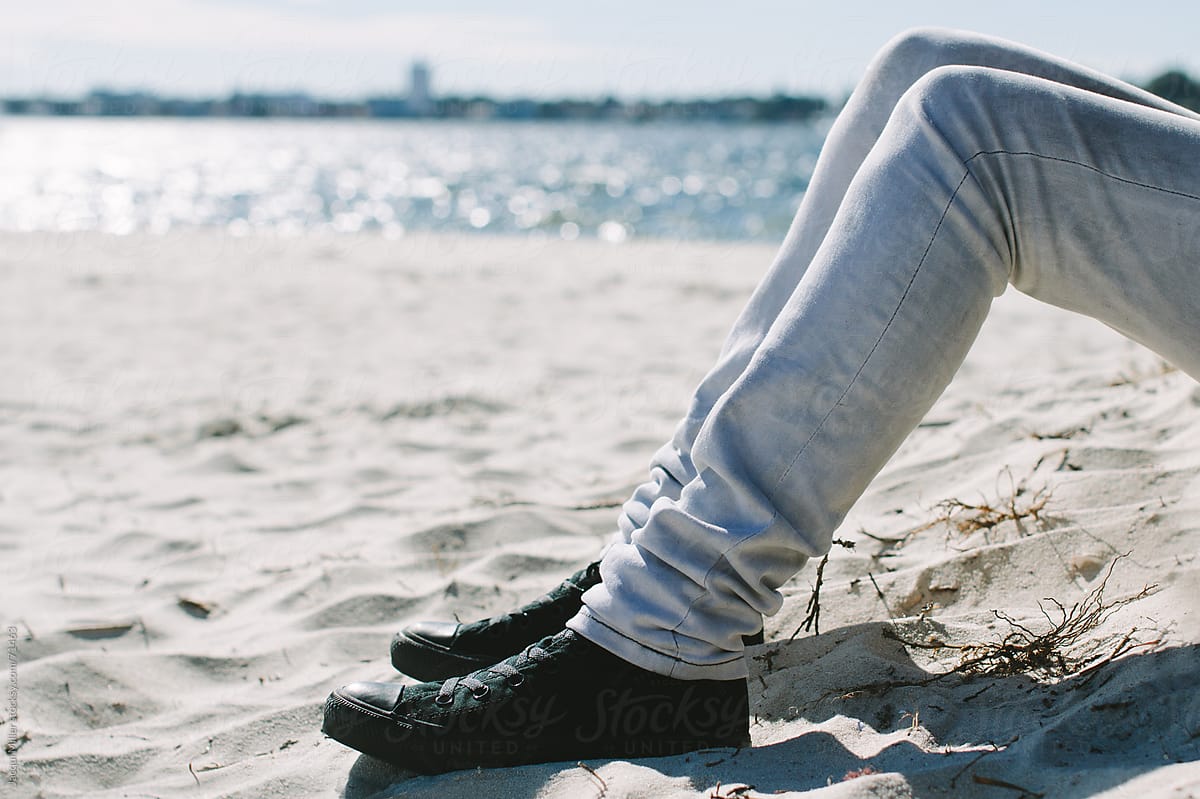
(444, 699)
(516, 680)
(482, 692)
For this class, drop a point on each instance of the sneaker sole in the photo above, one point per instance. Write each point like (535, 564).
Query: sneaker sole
(403, 745)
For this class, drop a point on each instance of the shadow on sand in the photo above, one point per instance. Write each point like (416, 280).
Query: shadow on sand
(1069, 739)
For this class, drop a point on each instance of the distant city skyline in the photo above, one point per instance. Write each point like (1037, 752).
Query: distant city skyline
(538, 48)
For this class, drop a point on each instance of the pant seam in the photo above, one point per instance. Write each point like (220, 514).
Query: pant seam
(1089, 167)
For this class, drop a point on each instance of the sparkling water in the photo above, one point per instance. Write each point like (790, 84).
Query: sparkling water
(571, 179)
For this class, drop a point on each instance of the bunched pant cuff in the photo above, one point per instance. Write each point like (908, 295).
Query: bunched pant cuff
(588, 625)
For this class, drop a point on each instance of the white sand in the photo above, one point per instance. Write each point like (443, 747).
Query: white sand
(314, 441)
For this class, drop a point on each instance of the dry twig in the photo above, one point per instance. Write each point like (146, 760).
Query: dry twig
(1057, 651)
(1025, 792)
(882, 598)
(596, 776)
(1139, 373)
(986, 515)
(968, 518)
(813, 610)
(812, 621)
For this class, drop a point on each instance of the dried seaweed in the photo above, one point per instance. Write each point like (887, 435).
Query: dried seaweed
(1058, 651)
(968, 518)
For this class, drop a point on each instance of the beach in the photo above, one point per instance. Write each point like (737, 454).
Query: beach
(231, 467)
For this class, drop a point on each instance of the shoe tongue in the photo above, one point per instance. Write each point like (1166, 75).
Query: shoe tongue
(585, 578)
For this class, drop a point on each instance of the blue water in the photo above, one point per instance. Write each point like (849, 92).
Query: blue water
(614, 181)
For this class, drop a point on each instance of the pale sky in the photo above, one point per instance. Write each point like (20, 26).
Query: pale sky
(541, 48)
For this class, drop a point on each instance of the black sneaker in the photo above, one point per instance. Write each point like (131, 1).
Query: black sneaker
(434, 650)
(563, 698)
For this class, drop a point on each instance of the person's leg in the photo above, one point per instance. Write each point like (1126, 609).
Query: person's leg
(428, 649)
(899, 64)
(980, 177)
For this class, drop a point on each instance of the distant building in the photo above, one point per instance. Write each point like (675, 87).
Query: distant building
(296, 104)
(420, 97)
(387, 107)
(105, 103)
